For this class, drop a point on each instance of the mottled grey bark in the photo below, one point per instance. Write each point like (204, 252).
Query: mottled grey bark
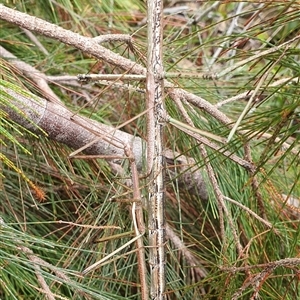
(156, 161)
(61, 125)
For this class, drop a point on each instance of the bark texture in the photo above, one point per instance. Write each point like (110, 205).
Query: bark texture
(76, 131)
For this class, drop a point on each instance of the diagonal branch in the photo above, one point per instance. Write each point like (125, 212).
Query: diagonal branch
(91, 46)
(60, 124)
(85, 44)
(38, 77)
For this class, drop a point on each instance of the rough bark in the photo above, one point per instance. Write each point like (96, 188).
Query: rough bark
(76, 131)
(91, 46)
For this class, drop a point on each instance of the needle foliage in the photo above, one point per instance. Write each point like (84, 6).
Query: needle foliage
(59, 215)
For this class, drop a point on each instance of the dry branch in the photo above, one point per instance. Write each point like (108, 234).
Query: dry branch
(91, 46)
(76, 131)
(38, 77)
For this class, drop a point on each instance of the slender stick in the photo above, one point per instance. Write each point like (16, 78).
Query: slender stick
(156, 120)
(90, 46)
(139, 225)
(95, 77)
(101, 261)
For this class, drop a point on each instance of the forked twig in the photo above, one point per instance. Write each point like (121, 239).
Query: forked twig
(257, 280)
(90, 46)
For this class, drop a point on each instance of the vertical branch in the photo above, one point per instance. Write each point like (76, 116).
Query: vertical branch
(139, 225)
(155, 160)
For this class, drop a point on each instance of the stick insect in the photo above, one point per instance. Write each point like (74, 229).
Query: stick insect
(136, 207)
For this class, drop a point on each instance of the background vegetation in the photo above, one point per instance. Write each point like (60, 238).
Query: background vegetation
(57, 213)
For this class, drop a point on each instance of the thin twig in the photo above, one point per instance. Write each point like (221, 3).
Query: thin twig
(249, 211)
(137, 214)
(85, 44)
(88, 45)
(286, 45)
(39, 276)
(38, 77)
(113, 38)
(96, 77)
(219, 195)
(257, 280)
(194, 263)
(285, 262)
(34, 39)
(101, 261)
